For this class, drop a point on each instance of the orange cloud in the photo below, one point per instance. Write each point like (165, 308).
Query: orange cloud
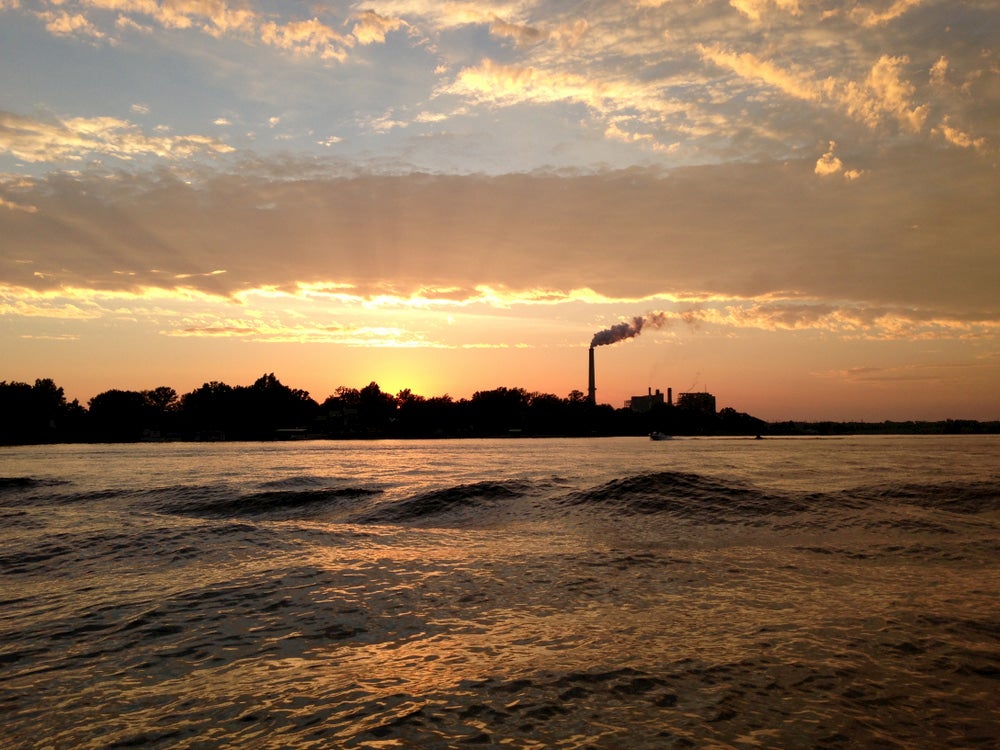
(66, 24)
(213, 17)
(14, 206)
(870, 17)
(371, 28)
(310, 37)
(628, 234)
(74, 138)
(747, 65)
(957, 137)
(521, 34)
(883, 93)
(754, 9)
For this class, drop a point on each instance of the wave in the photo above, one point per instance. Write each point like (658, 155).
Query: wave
(968, 498)
(478, 496)
(686, 495)
(220, 502)
(689, 496)
(18, 485)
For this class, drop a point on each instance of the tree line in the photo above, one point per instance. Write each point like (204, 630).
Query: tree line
(271, 410)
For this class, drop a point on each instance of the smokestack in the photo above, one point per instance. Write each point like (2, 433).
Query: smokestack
(591, 386)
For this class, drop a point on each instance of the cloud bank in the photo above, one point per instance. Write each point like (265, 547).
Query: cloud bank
(755, 231)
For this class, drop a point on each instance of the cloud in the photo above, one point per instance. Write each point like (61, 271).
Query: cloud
(742, 231)
(754, 9)
(615, 133)
(275, 331)
(76, 138)
(371, 28)
(310, 37)
(212, 16)
(883, 94)
(749, 66)
(502, 85)
(62, 23)
(852, 321)
(939, 71)
(958, 138)
(216, 18)
(870, 17)
(454, 14)
(497, 83)
(521, 34)
(569, 34)
(919, 372)
(639, 69)
(21, 305)
(828, 164)
(14, 206)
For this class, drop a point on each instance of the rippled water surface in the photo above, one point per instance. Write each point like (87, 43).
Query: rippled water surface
(612, 593)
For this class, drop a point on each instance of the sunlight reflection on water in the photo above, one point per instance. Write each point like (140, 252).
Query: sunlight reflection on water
(526, 598)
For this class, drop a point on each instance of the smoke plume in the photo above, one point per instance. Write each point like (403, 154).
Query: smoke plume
(628, 329)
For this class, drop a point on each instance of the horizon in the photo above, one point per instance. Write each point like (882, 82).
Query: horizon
(797, 202)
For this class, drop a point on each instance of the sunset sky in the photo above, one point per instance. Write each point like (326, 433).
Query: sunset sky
(456, 196)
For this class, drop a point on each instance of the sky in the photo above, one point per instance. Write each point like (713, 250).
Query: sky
(457, 196)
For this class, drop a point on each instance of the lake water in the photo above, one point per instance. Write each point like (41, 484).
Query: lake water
(605, 593)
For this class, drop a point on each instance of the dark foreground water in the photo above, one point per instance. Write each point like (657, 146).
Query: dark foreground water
(614, 593)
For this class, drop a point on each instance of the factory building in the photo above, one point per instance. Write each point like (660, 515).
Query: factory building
(698, 402)
(701, 402)
(645, 403)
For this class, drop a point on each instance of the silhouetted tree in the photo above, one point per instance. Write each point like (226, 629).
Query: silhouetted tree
(162, 411)
(209, 411)
(117, 415)
(254, 412)
(546, 414)
(438, 416)
(376, 410)
(498, 411)
(732, 422)
(339, 412)
(275, 406)
(34, 413)
(162, 399)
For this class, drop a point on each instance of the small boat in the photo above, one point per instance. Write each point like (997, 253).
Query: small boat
(656, 435)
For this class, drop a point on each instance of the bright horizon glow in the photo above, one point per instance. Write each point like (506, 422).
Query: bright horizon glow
(456, 197)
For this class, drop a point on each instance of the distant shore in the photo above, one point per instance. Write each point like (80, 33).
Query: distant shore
(270, 410)
(942, 427)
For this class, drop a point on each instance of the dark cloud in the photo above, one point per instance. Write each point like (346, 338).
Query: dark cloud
(918, 228)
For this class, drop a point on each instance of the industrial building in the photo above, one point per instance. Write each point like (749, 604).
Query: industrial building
(703, 403)
(700, 402)
(643, 404)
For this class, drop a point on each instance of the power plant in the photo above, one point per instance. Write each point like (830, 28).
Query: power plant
(694, 401)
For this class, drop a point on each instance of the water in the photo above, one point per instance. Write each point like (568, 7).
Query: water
(610, 593)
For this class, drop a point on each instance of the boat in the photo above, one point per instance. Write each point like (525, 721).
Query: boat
(656, 435)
